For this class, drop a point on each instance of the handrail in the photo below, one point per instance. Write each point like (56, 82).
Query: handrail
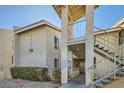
(113, 72)
(109, 74)
(108, 32)
(101, 78)
(100, 61)
(80, 21)
(96, 28)
(105, 40)
(107, 46)
(96, 63)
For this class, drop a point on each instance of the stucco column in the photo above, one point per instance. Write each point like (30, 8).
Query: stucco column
(70, 63)
(64, 48)
(89, 42)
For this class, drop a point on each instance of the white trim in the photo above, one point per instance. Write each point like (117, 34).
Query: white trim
(43, 22)
(107, 30)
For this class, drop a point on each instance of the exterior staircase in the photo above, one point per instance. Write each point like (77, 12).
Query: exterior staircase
(110, 66)
(108, 54)
(110, 78)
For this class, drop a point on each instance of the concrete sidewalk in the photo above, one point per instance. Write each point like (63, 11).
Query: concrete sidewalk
(16, 83)
(78, 82)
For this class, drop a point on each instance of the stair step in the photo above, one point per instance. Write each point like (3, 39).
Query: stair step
(99, 84)
(101, 47)
(112, 77)
(110, 52)
(106, 50)
(106, 81)
(96, 45)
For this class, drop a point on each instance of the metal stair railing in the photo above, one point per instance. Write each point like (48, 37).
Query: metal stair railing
(97, 76)
(109, 45)
(105, 43)
(111, 35)
(97, 71)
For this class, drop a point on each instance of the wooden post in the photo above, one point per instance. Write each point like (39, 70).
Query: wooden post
(89, 42)
(64, 48)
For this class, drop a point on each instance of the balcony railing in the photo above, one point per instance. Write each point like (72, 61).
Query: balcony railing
(78, 29)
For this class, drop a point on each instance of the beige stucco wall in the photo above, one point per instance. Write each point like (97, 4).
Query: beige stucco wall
(42, 44)
(37, 58)
(51, 52)
(5, 53)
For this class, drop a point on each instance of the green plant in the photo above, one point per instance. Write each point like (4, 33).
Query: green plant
(30, 73)
(57, 75)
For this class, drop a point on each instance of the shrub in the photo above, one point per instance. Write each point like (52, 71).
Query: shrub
(30, 73)
(56, 75)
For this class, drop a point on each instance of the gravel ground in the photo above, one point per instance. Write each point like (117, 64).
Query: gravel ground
(17, 83)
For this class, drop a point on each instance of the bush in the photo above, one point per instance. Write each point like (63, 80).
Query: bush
(56, 75)
(30, 73)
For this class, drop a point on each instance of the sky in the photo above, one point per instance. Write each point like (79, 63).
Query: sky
(104, 16)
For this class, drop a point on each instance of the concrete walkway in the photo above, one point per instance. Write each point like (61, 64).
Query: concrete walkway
(78, 82)
(16, 83)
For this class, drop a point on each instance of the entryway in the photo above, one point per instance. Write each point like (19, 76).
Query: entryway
(77, 82)
(78, 66)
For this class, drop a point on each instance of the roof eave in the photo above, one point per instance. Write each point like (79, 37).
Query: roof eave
(43, 22)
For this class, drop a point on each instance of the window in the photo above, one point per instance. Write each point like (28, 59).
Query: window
(56, 63)
(56, 42)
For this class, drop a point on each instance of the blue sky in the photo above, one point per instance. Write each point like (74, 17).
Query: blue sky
(104, 16)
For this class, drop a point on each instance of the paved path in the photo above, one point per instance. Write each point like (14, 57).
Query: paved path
(78, 82)
(14, 83)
